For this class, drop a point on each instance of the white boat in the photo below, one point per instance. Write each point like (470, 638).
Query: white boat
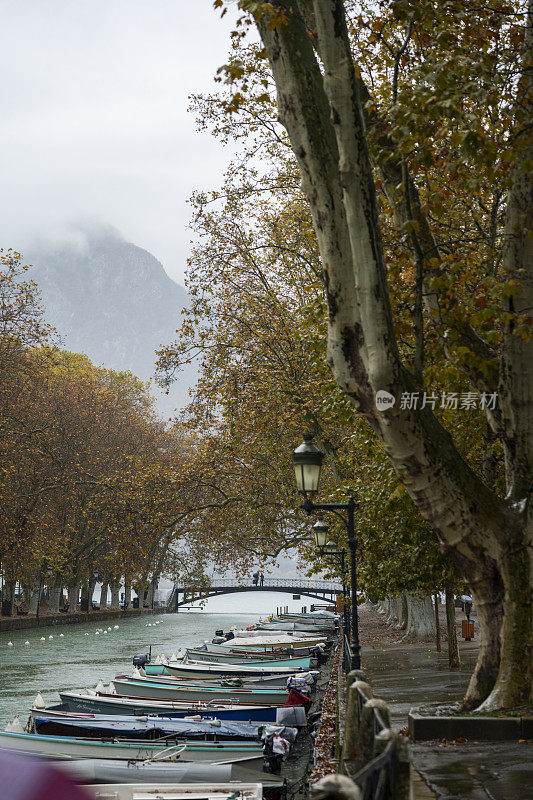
(108, 771)
(249, 658)
(216, 680)
(245, 671)
(249, 753)
(267, 647)
(272, 641)
(179, 791)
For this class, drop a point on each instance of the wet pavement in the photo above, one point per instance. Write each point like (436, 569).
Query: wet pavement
(410, 675)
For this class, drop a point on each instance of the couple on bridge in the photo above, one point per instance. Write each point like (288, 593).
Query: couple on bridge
(258, 578)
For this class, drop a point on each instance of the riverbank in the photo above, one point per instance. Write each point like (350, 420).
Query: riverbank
(8, 624)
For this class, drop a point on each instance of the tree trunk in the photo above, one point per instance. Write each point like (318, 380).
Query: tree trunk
(437, 624)
(393, 618)
(127, 591)
(154, 582)
(8, 601)
(35, 589)
(55, 594)
(420, 619)
(115, 594)
(103, 595)
(73, 591)
(454, 661)
(403, 611)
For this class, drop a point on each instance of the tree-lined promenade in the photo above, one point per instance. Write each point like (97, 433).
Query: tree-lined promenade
(365, 276)
(379, 219)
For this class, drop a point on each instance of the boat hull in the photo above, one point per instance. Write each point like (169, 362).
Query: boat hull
(247, 659)
(208, 672)
(120, 772)
(111, 704)
(139, 687)
(72, 747)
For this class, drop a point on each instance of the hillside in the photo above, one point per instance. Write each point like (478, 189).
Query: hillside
(113, 301)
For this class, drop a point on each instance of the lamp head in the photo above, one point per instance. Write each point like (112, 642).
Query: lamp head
(307, 460)
(320, 532)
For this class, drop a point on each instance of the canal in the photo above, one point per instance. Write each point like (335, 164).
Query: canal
(80, 657)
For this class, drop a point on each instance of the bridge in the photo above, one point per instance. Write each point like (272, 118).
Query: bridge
(183, 594)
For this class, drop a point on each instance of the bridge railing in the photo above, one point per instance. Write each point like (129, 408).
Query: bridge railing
(289, 583)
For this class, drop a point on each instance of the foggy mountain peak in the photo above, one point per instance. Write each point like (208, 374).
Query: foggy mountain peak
(110, 299)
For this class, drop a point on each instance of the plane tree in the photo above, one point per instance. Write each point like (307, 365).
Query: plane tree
(411, 127)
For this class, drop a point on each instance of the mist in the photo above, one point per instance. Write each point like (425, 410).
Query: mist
(95, 129)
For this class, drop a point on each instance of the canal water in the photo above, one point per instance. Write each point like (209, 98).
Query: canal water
(81, 657)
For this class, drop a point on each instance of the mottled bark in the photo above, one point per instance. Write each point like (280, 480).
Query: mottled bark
(35, 590)
(420, 619)
(392, 617)
(115, 594)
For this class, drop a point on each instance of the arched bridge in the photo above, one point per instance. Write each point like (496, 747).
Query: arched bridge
(183, 594)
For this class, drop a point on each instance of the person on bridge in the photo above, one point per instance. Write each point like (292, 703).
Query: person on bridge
(261, 578)
(255, 578)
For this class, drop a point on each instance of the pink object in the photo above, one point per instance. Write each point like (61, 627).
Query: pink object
(25, 778)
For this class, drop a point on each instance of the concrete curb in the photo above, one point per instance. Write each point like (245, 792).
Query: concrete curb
(481, 729)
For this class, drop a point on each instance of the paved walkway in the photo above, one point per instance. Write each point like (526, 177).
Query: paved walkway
(409, 675)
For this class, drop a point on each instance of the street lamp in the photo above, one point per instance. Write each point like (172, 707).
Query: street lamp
(320, 532)
(307, 460)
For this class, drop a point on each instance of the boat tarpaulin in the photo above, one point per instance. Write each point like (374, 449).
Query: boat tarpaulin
(156, 726)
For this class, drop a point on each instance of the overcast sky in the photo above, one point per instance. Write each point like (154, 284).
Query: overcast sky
(94, 118)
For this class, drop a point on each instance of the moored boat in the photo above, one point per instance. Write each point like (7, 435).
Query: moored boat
(267, 642)
(78, 747)
(103, 703)
(109, 771)
(207, 791)
(205, 671)
(203, 656)
(215, 681)
(141, 687)
(149, 727)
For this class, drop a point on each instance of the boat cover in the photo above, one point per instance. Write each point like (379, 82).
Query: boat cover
(139, 726)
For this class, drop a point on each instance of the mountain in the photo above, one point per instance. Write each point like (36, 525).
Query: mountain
(113, 301)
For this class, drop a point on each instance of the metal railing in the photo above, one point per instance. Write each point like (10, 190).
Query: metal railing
(347, 655)
(290, 583)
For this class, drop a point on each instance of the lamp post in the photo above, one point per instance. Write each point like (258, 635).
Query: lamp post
(307, 460)
(96, 577)
(328, 548)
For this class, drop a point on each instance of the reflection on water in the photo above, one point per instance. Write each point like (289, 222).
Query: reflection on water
(80, 658)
